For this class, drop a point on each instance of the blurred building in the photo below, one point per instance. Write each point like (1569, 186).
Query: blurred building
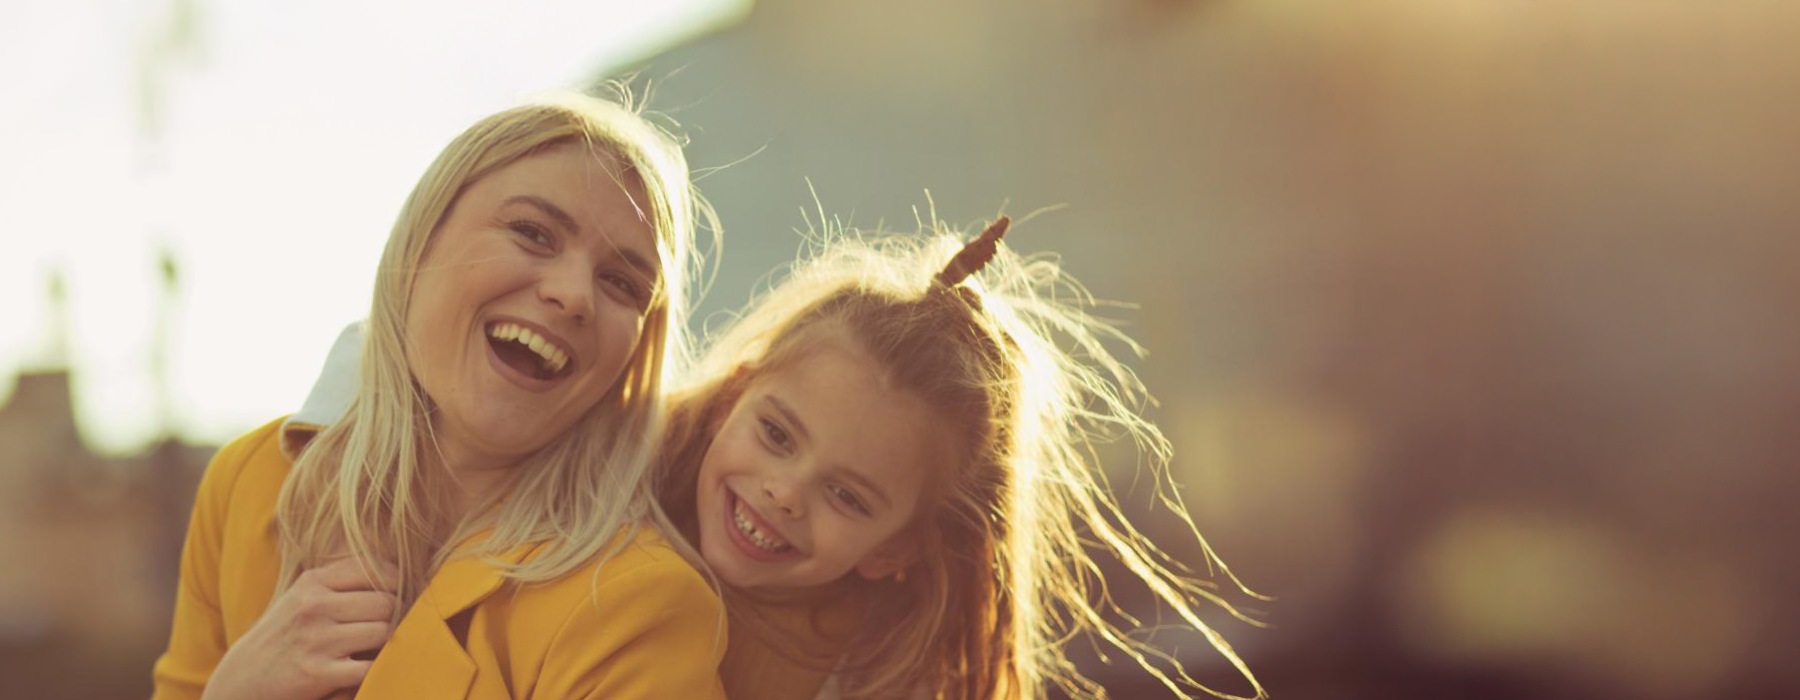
(91, 545)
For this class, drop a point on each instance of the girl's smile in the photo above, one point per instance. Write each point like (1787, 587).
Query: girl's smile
(816, 472)
(754, 535)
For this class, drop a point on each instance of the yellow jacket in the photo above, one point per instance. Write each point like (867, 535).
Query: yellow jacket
(648, 627)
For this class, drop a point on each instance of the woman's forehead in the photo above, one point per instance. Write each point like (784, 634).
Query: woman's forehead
(577, 186)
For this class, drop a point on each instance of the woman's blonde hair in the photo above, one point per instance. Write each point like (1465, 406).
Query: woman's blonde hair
(1007, 573)
(360, 488)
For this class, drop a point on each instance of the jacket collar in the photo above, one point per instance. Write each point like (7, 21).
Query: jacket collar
(467, 579)
(464, 580)
(425, 658)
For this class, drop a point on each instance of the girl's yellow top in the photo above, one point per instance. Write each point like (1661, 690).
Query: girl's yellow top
(647, 626)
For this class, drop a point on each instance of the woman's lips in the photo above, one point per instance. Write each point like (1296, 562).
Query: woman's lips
(512, 374)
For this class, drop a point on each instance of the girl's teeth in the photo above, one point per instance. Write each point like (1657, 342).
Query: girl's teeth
(745, 526)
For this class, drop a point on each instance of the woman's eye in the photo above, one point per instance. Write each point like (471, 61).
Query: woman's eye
(848, 498)
(775, 434)
(531, 232)
(624, 283)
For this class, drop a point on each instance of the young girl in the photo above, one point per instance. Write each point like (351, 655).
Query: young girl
(487, 487)
(888, 462)
(899, 438)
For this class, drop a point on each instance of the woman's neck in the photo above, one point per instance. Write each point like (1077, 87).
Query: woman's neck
(475, 479)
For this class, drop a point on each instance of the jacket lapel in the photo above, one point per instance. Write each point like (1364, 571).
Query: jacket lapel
(424, 658)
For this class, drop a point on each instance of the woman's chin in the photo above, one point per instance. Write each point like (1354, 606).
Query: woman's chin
(494, 438)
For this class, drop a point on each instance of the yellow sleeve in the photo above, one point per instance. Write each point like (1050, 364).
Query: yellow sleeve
(197, 640)
(654, 631)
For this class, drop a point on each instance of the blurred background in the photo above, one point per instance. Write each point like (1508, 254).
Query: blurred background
(1472, 322)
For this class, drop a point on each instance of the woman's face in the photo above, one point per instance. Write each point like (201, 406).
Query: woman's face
(529, 302)
(815, 473)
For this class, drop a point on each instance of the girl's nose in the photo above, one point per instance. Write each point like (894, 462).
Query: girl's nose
(782, 497)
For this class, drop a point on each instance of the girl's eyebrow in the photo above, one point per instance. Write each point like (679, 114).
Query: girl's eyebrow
(788, 413)
(866, 484)
(848, 473)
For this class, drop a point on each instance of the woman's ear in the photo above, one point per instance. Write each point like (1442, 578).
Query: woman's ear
(889, 559)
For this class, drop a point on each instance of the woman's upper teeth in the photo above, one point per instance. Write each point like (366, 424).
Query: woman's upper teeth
(554, 357)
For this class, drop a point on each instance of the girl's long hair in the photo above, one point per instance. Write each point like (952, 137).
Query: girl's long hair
(1010, 536)
(361, 487)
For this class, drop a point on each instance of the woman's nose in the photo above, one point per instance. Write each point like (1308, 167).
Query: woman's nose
(568, 286)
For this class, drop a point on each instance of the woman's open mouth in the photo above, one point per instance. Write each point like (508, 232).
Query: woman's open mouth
(528, 352)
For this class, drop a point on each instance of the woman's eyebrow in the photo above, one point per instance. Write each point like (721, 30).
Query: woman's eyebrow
(638, 262)
(631, 257)
(548, 208)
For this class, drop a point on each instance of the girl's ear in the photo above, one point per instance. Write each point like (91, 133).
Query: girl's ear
(890, 558)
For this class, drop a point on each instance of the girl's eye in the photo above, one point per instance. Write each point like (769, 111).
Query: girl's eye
(775, 434)
(531, 232)
(848, 498)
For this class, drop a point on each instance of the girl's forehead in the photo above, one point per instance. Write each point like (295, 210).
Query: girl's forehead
(829, 364)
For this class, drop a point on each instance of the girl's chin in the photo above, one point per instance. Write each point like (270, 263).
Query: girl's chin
(729, 572)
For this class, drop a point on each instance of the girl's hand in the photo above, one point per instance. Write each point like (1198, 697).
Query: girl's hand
(300, 649)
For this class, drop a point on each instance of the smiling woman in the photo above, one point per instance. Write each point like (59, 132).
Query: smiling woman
(528, 307)
(483, 505)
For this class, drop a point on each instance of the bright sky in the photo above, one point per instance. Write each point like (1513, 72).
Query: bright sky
(290, 133)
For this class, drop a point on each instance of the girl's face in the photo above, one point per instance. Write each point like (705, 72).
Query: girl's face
(529, 302)
(815, 473)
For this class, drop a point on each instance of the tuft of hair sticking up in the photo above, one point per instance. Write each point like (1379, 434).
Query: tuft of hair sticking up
(975, 255)
(1009, 350)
